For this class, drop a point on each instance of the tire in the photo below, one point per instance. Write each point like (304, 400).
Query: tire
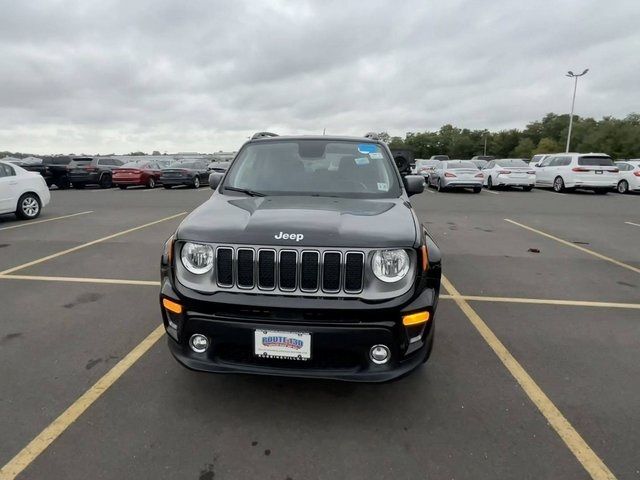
(439, 186)
(28, 207)
(168, 187)
(122, 187)
(490, 183)
(151, 183)
(558, 185)
(477, 189)
(196, 182)
(62, 183)
(528, 188)
(78, 186)
(623, 186)
(105, 181)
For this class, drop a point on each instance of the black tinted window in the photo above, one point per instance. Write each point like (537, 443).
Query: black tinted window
(595, 162)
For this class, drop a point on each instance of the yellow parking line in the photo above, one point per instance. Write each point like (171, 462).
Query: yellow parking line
(572, 439)
(40, 443)
(577, 247)
(88, 244)
(114, 281)
(46, 220)
(628, 223)
(543, 301)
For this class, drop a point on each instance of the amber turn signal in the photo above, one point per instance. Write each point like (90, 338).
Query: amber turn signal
(415, 319)
(171, 306)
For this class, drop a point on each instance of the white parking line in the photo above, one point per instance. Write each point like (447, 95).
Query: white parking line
(490, 191)
(46, 220)
(634, 224)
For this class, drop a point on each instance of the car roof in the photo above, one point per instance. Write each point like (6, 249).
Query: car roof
(330, 138)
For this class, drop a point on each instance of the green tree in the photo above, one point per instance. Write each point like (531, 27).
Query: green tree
(524, 149)
(547, 145)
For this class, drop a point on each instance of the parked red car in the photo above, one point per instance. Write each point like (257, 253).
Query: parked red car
(139, 172)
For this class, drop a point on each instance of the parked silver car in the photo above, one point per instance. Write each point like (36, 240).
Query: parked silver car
(451, 174)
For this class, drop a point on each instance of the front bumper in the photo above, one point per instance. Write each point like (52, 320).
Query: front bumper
(176, 181)
(340, 337)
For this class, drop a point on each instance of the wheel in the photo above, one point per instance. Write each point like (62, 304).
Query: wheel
(151, 183)
(527, 188)
(558, 185)
(623, 186)
(168, 187)
(439, 186)
(196, 182)
(122, 187)
(477, 189)
(28, 206)
(490, 183)
(105, 181)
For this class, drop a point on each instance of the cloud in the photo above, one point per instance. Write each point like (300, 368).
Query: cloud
(118, 76)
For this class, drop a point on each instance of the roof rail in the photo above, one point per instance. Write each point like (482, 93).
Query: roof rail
(372, 136)
(263, 135)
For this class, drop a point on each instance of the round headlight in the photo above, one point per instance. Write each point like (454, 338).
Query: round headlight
(197, 257)
(390, 265)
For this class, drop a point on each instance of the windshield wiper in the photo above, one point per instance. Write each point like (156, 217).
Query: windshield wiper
(251, 193)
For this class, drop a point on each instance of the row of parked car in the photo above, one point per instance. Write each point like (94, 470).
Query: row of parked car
(106, 172)
(561, 171)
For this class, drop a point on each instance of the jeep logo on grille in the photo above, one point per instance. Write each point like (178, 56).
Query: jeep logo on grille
(289, 236)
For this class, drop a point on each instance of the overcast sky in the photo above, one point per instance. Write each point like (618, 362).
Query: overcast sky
(118, 76)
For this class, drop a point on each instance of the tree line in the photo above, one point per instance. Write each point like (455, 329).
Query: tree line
(619, 138)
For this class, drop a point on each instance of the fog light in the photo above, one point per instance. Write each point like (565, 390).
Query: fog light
(199, 343)
(379, 354)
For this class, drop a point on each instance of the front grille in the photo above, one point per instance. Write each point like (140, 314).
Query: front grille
(290, 270)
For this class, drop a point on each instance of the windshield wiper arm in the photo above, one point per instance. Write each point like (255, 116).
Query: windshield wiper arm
(251, 193)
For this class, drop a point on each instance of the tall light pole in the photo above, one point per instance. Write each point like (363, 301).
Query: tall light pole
(573, 101)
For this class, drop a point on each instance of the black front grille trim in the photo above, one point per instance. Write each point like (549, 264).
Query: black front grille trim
(267, 269)
(353, 272)
(331, 284)
(289, 281)
(309, 271)
(245, 267)
(224, 266)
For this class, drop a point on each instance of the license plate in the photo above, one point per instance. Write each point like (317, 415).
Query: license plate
(277, 344)
(598, 172)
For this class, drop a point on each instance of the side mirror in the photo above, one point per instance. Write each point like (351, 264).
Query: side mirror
(414, 184)
(214, 179)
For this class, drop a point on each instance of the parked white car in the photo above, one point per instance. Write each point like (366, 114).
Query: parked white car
(568, 171)
(451, 174)
(629, 179)
(509, 172)
(21, 192)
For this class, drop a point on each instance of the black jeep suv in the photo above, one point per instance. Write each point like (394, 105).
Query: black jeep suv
(308, 260)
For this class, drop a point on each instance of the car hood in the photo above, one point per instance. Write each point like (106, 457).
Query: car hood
(322, 221)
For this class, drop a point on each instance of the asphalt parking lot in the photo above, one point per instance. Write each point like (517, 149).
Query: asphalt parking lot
(535, 371)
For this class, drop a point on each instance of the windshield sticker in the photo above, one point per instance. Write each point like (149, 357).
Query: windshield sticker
(383, 187)
(367, 148)
(376, 155)
(362, 161)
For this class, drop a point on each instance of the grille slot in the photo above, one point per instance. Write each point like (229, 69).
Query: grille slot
(245, 268)
(288, 270)
(331, 272)
(267, 269)
(309, 270)
(353, 272)
(225, 267)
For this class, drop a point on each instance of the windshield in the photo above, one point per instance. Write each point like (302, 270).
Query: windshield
(186, 165)
(455, 164)
(316, 167)
(595, 162)
(136, 164)
(516, 162)
(427, 163)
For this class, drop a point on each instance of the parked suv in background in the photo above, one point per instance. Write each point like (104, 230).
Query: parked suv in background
(84, 171)
(568, 171)
(295, 268)
(629, 180)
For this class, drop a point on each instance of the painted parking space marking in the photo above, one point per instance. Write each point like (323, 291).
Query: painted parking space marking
(88, 244)
(543, 301)
(572, 439)
(577, 247)
(36, 222)
(628, 223)
(490, 191)
(111, 281)
(45, 438)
